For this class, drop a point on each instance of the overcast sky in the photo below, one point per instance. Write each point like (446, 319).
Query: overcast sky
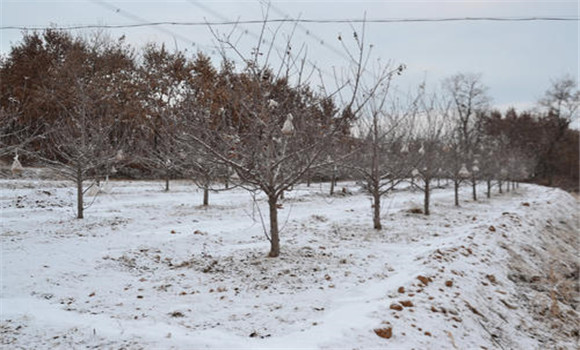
(517, 60)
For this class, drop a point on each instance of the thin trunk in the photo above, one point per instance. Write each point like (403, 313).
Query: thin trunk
(167, 183)
(456, 189)
(282, 195)
(376, 178)
(507, 186)
(274, 234)
(377, 211)
(488, 188)
(500, 185)
(308, 179)
(427, 195)
(205, 196)
(332, 183)
(80, 205)
(474, 185)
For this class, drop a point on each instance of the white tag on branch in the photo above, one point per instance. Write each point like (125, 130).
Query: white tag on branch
(16, 167)
(120, 156)
(463, 172)
(288, 127)
(272, 103)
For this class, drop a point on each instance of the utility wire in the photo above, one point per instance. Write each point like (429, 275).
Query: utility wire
(293, 20)
(308, 32)
(141, 23)
(251, 33)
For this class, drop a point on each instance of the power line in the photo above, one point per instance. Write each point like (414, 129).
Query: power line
(141, 23)
(309, 33)
(294, 20)
(256, 36)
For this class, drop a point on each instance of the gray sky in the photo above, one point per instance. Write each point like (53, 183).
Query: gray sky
(517, 60)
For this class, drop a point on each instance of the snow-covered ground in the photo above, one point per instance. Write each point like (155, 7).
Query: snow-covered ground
(151, 269)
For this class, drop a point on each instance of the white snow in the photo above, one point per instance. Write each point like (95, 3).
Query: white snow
(150, 269)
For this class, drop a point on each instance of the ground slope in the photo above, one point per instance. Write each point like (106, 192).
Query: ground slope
(153, 269)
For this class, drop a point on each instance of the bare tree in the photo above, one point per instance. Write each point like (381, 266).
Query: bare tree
(165, 78)
(562, 99)
(206, 172)
(381, 159)
(87, 137)
(469, 101)
(490, 165)
(264, 133)
(430, 128)
(560, 107)
(80, 143)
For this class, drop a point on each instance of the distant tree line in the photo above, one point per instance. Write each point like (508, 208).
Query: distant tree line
(95, 107)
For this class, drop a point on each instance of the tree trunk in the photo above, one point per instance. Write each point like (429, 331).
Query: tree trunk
(80, 204)
(456, 189)
(167, 183)
(274, 236)
(427, 194)
(507, 186)
(500, 185)
(474, 184)
(205, 196)
(332, 185)
(488, 188)
(377, 212)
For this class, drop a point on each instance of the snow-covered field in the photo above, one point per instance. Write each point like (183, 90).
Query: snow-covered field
(151, 269)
